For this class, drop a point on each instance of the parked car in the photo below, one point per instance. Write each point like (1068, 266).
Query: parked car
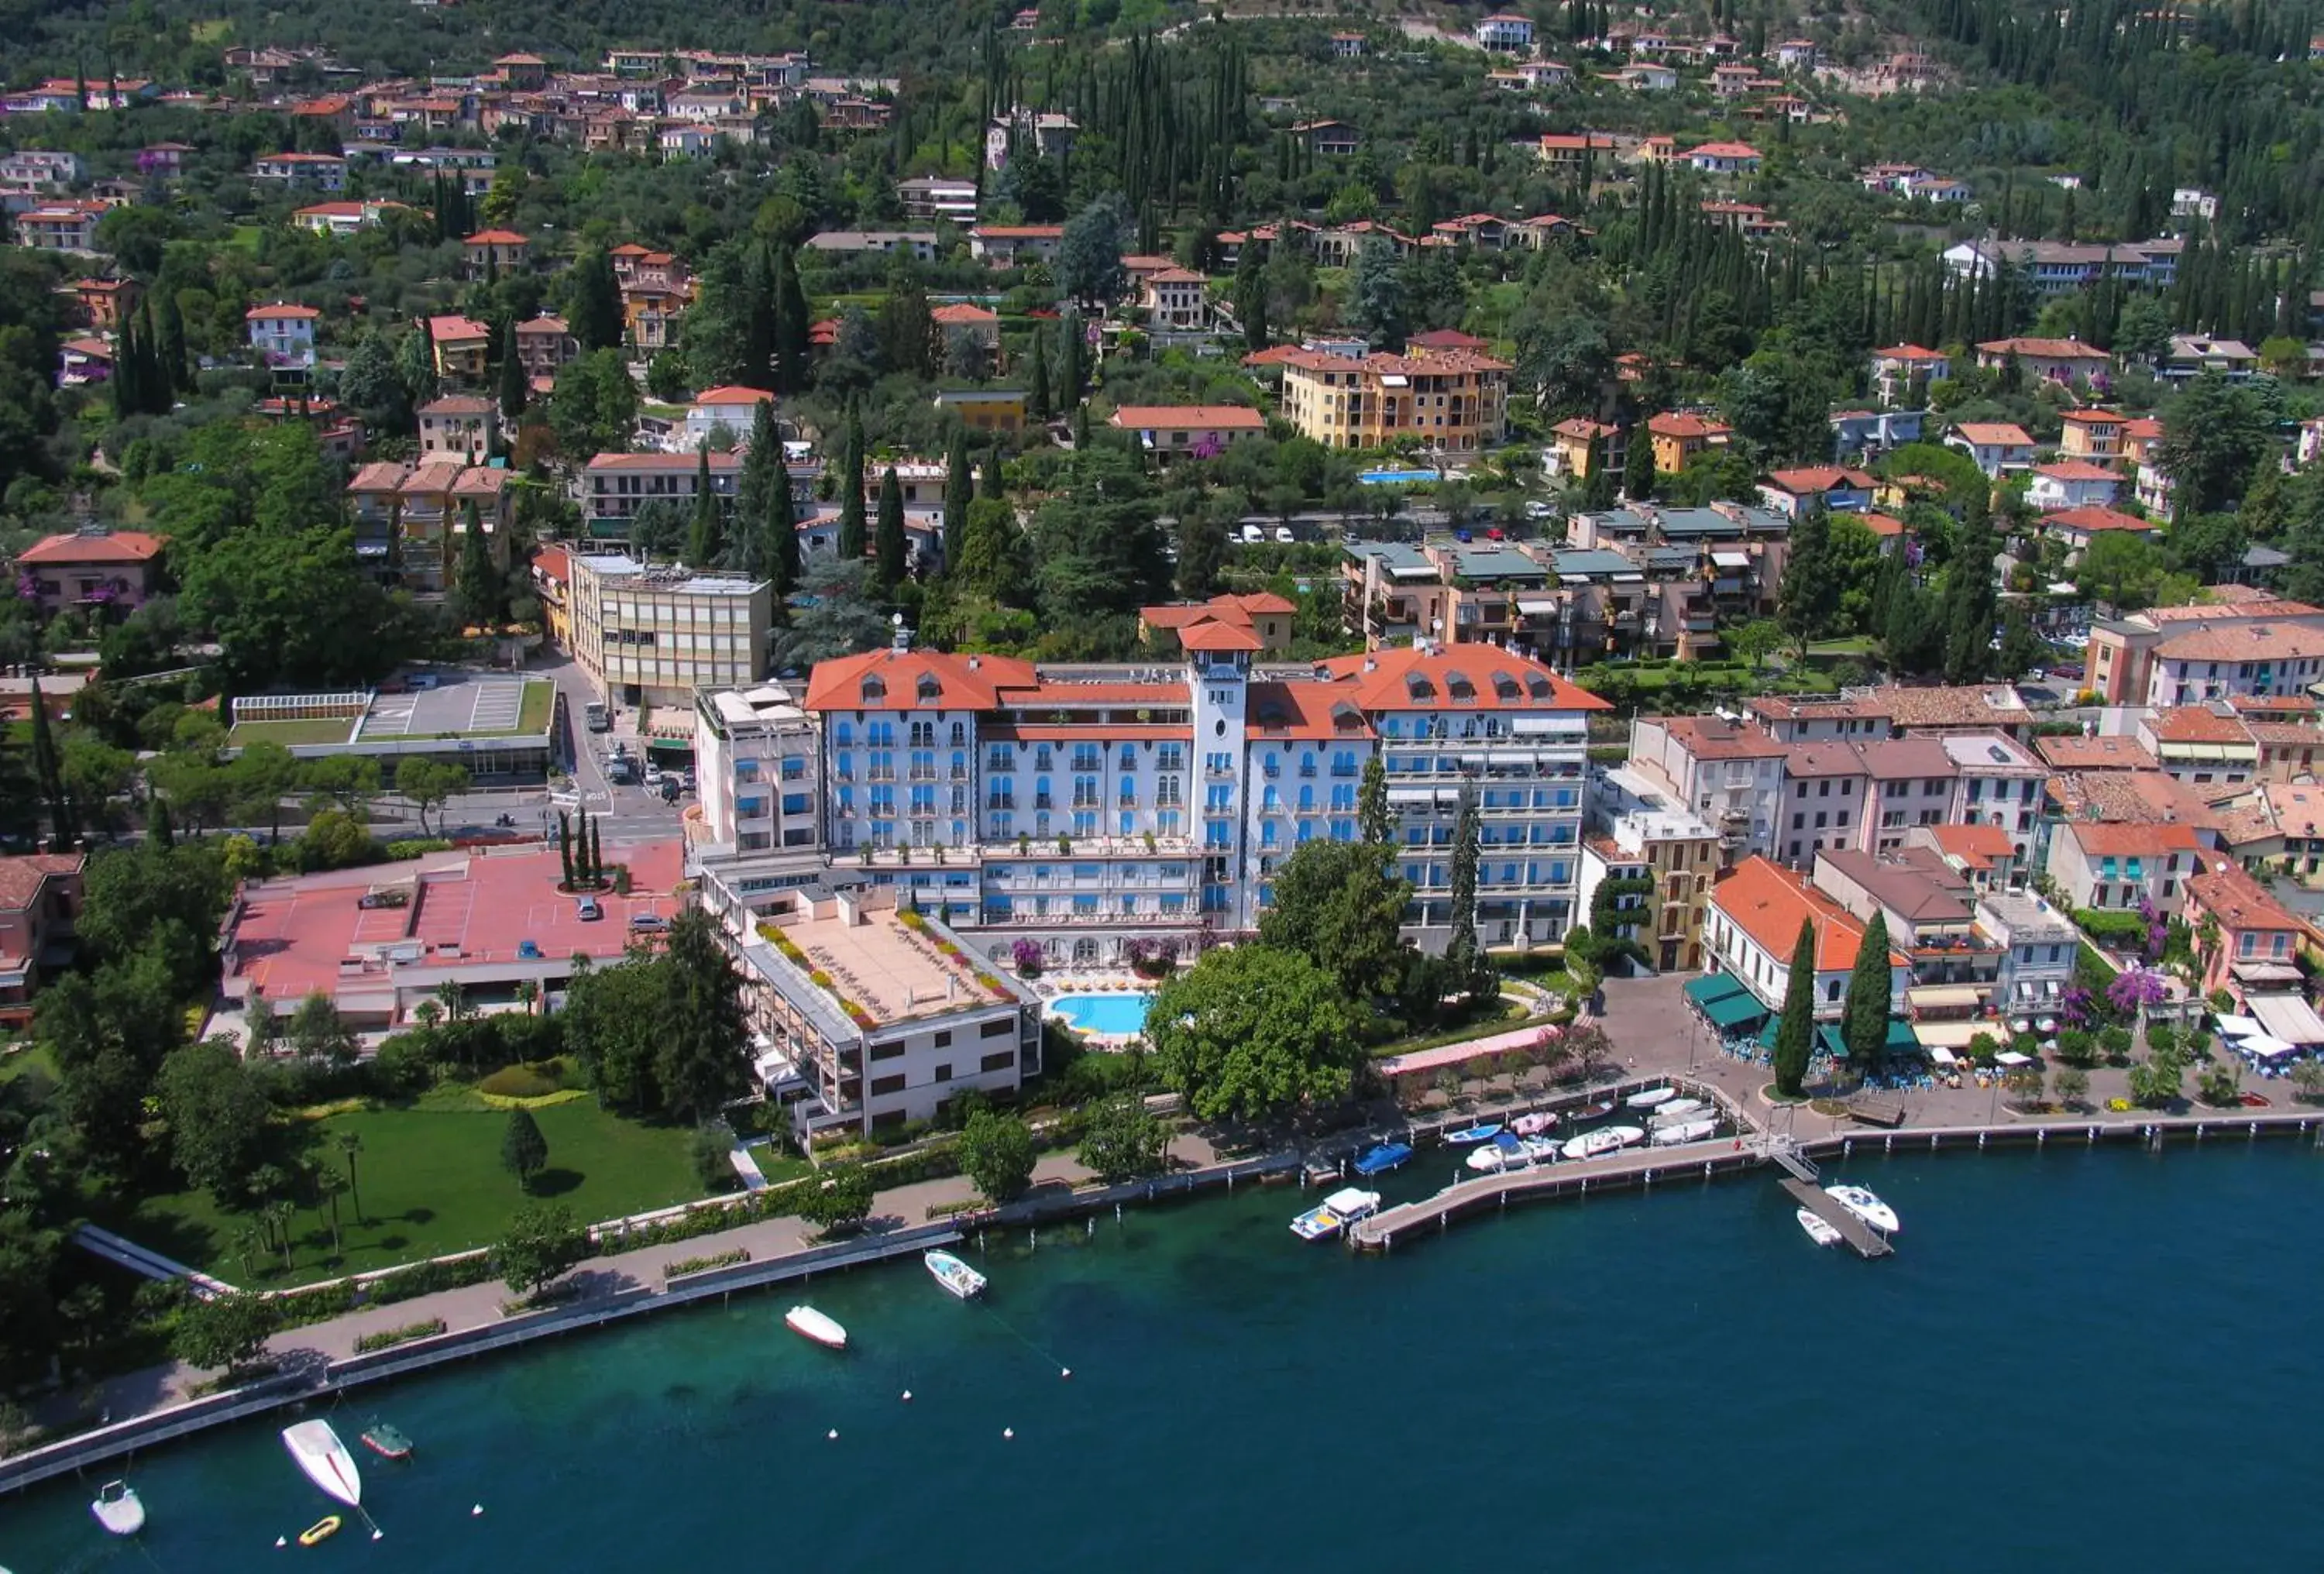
(1283, 535)
(528, 951)
(648, 923)
(588, 910)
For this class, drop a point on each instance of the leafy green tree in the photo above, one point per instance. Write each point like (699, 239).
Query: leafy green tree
(842, 1200)
(1969, 606)
(839, 617)
(593, 407)
(1089, 255)
(1864, 1019)
(1796, 1029)
(888, 544)
(319, 1035)
(1122, 1141)
(996, 1152)
(428, 783)
(2215, 433)
(1202, 554)
(1251, 1032)
(542, 1240)
(1375, 292)
(223, 1333)
(1375, 821)
(1805, 598)
(1339, 904)
(217, 1116)
(662, 1033)
(524, 1151)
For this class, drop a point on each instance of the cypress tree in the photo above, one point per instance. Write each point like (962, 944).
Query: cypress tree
(1864, 1019)
(594, 302)
(1639, 477)
(960, 484)
(754, 483)
(596, 855)
(514, 385)
(48, 773)
(158, 831)
(1251, 295)
(1795, 1030)
(783, 567)
(793, 331)
(564, 846)
(706, 541)
(1069, 374)
(1043, 406)
(852, 543)
(175, 363)
(887, 542)
(475, 595)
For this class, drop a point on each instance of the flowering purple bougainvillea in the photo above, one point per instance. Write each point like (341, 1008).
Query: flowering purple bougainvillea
(1025, 954)
(2158, 931)
(2077, 1006)
(2135, 989)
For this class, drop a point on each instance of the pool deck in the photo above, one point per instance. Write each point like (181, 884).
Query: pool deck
(1056, 988)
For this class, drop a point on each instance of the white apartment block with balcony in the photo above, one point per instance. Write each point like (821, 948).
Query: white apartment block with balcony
(757, 760)
(1728, 771)
(1080, 805)
(865, 1016)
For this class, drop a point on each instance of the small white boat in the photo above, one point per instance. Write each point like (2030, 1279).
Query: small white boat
(1860, 1202)
(1677, 1132)
(1541, 1150)
(1591, 1145)
(328, 1465)
(824, 1330)
(1335, 1212)
(118, 1509)
(1676, 1111)
(953, 1274)
(1820, 1232)
(1505, 1152)
(1535, 1124)
(1650, 1098)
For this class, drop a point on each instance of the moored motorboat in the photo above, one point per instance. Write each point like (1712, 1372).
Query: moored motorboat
(324, 1459)
(1676, 1111)
(1820, 1232)
(1505, 1152)
(1598, 1144)
(118, 1508)
(815, 1325)
(1541, 1150)
(1681, 1131)
(1335, 1212)
(1596, 1109)
(1382, 1157)
(953, 1274)
(1860, 1202)
(1467, 1134)
(1535, 1124)
(387, 1442)
(1649, 1098)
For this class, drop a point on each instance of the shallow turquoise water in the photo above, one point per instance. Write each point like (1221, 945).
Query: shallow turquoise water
(1117, 1014)
(2074, 1358)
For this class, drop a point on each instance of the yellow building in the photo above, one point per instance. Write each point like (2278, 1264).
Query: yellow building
(1678, 437)
(461, 343)
(1570, 442)
(985, 410)
(1450, 400)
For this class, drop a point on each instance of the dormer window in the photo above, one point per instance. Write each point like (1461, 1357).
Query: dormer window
(875, 689)
(928, 689)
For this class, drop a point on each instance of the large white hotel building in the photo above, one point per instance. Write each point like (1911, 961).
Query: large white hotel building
(1084, 806)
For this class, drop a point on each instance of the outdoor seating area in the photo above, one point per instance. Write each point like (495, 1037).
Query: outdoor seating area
(2267, 1056)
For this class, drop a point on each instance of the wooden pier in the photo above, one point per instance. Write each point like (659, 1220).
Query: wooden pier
(1867, 1241)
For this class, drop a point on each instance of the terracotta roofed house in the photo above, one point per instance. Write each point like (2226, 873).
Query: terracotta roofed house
(1752, 929)
(39, 898)
(114, 568)
(1187, 431)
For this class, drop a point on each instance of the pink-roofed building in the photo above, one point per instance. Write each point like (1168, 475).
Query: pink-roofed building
(39, 898)
(1168, 432)
(1997, 446)
(1723, 159)
(2072, 483)
(113, 568)
(1903, 372)
(733, 407)
(378, 943)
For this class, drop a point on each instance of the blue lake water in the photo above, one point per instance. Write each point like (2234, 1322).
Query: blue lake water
(2077, 1359)
(1120, 1013)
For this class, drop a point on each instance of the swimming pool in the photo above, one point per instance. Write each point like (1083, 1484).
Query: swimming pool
(1120, 1015)
(1396, 477)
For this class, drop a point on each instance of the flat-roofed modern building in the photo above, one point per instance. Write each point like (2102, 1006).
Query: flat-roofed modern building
(653, 635)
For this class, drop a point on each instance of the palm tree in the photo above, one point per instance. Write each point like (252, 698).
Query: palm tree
(349, 1143)
(279, 1213)
(328, 1184)
(428, 1014)
(455, 999)
(527, 994)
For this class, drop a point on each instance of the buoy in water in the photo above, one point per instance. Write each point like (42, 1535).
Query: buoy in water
(833, 1434)
(1008, 1431)
(283, 1541)
(907, 1395)
(475, 1511)
(1066, 1372)
(376, 1533)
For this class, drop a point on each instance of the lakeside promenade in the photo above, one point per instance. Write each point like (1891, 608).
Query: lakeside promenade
(1647, 1020)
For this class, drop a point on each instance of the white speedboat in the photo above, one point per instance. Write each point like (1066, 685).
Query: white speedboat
(1676, 1111)
(1505, 1152)
(1650, 1098)
(1335, 1212)
(1820, 1232)
(328, 1465)
(953, 1274)
(1695, 1131)
(824, 1330)
(1541, 1149)
(1860, 1202)
(1606, 1140)
(118, 1509)
(1535, 1124)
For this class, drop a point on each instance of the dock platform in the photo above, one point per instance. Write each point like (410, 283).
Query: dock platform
(1866, 1241)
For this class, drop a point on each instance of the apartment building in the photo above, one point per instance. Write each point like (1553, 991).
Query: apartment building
(2121, 651)
(1677, 852)
(115, 569)
(1449, 401)
(1168, 432)
(406, 516)
(1752, 932)
(867, 1016)
(544, 344)
(2115, 865)
(1827, 800)
(757, 760)
(1729, 772)
(492, 252)
(1914, 783)
(303, 171)
(461, 344)
(613, 486)
(65, 225)
(2254, 657)
(2258, 939)
(653, 635)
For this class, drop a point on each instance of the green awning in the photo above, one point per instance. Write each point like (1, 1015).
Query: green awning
(1827, 1036)
(1712, 987)
(1729, 1012)
(1900, 1038)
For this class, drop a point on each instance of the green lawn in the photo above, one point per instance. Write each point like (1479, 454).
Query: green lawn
(539, 700)
(305, 730)
(431, 1183)
(31, 1060)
